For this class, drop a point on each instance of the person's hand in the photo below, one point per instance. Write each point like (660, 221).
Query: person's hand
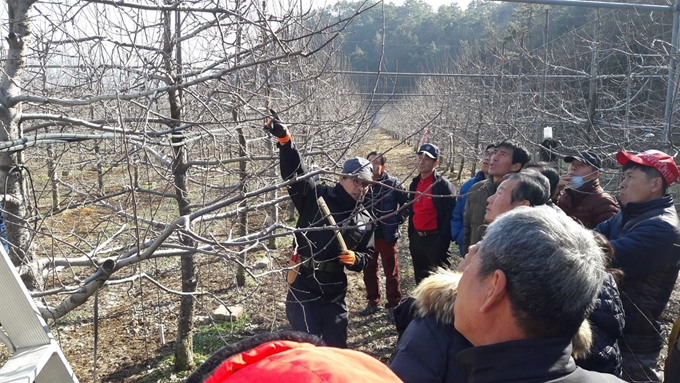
(275, 127)
(564, 182)
(347, 257)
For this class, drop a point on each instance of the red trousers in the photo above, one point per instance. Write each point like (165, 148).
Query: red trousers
(387, 252)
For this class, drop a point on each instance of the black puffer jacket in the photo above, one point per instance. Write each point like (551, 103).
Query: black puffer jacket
(607, 320)
(426, 351)
(326, 277)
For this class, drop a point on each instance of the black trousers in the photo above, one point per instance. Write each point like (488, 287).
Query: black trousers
(309, 313)
(427, 254)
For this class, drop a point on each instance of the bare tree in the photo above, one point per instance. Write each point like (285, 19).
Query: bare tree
(136, 107)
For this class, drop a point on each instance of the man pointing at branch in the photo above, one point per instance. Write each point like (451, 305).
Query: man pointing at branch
(316, 297)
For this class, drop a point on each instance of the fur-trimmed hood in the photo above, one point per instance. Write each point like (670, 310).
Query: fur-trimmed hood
(436, 294)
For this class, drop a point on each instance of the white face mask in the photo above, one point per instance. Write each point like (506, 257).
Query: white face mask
(578, 181)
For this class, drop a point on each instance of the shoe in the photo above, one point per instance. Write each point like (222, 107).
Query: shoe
(370, 309)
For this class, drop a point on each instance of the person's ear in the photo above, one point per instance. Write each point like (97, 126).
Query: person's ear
(657, 184)
(496, 291)
(524, 203)
(516, 167)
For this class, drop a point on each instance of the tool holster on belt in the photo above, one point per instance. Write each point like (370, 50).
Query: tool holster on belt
(330, 266)
(294, 270)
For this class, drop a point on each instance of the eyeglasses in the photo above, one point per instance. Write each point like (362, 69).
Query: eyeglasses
(359, 184)
(488, 153)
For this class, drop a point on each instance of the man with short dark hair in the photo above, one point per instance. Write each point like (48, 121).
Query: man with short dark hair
(384, 198)
(316, 297)
(457, 224)
(645, 235)
(509, 157)
(524, 295)
(584, 199)
(429, 227)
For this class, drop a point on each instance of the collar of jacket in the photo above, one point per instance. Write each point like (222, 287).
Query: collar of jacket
(634, 209)
(519, 360)
(491, 186)
(480, 176)
(590, 187)
(342, 198)
(434, 172)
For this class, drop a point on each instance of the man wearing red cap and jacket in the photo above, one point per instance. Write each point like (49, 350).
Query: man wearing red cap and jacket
(645, 235)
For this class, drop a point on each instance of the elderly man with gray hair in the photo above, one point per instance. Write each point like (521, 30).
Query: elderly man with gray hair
(523, 296)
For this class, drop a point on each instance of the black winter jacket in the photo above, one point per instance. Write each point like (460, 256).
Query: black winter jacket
(646, 242)
(426, 351)
(527, 361)
(383, 200)
(607, 320)
(324, 275)
(433, 351)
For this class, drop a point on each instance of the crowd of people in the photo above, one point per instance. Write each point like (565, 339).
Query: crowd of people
(558, 281)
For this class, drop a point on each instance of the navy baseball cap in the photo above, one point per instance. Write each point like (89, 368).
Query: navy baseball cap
(588, 158)
(430, 151)
(359, 168)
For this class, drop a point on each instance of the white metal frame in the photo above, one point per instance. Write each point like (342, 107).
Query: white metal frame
(37, 356)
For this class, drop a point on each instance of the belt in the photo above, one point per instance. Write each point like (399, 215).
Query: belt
(327, 266)
(427, 233)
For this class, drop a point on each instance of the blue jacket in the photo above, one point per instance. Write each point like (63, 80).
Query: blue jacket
(457, 231)
(646, 241)
(383, 201)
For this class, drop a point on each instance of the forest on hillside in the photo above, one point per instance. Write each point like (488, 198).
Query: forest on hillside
(597, 77)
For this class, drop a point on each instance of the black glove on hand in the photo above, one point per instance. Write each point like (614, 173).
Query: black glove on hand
(275, 127)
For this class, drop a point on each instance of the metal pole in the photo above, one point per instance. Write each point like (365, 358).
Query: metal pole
(597, 4)
(672, 70)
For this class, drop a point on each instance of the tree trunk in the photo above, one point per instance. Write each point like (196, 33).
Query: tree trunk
(52, 174)
(243, 216)
(12, 181)
(184, 350)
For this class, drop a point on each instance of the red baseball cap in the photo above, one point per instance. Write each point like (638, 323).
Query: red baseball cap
(660, 161)
(285, 361)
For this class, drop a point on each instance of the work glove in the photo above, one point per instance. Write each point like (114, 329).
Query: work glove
(274, 127)
(347, 257)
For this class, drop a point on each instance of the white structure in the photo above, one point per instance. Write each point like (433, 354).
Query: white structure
(37, 356)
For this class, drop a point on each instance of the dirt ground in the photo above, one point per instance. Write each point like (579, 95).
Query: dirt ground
(133, 318)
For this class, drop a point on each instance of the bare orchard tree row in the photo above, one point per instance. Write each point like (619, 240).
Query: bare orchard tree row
(133, 130)
(596, 90)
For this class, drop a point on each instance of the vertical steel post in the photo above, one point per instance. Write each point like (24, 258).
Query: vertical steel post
(672, 72)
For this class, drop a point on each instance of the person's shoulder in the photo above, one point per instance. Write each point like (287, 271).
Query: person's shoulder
(468, 184)
(477, 185)
(581, 375)
(601, 195)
